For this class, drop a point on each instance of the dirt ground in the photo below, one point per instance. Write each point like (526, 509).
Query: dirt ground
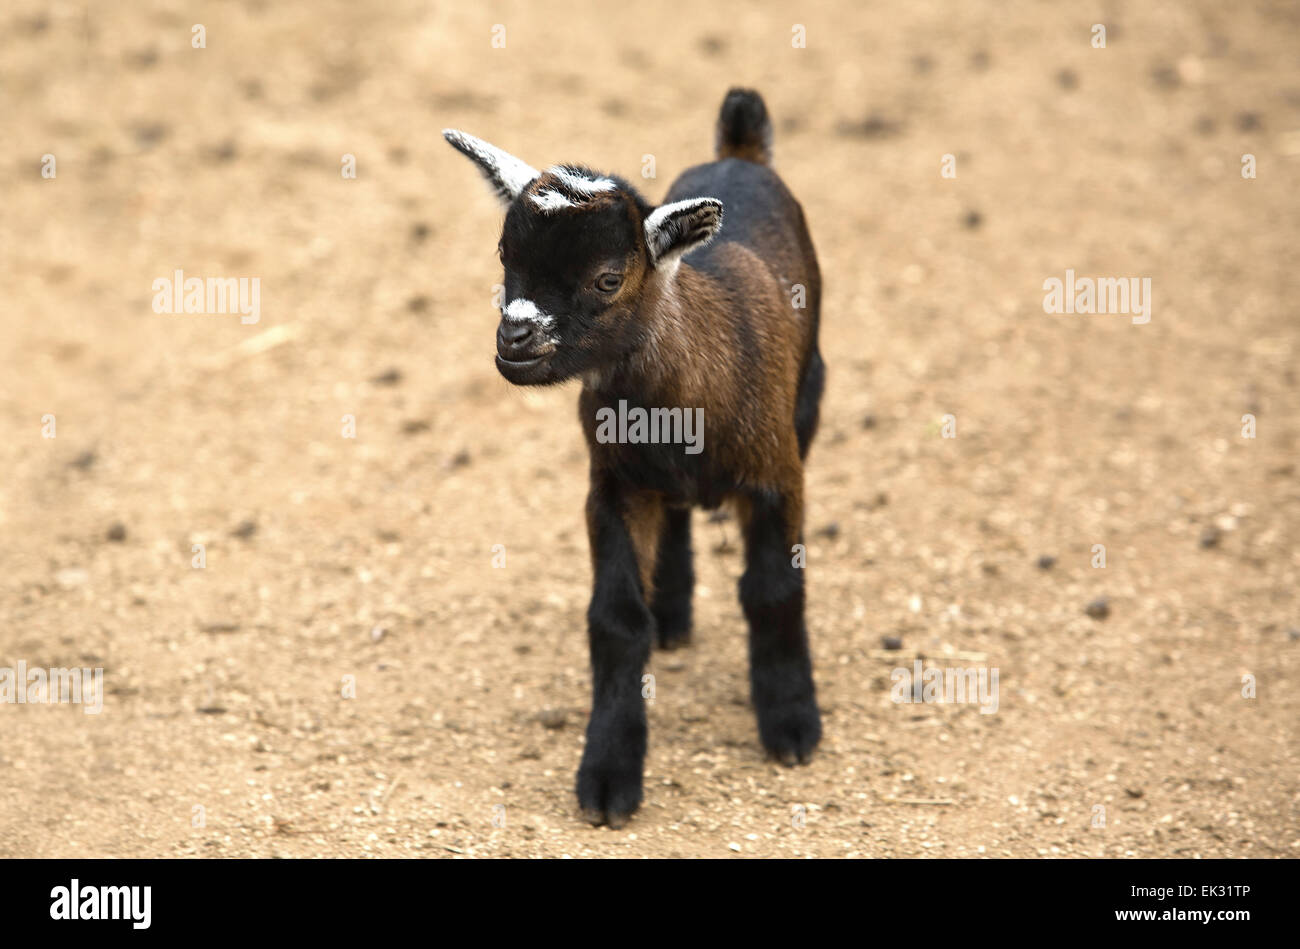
(372, 557)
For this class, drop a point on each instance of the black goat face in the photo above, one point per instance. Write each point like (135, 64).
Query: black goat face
(575, 261)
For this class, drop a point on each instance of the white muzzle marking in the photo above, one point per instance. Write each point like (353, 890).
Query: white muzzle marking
(526, 311)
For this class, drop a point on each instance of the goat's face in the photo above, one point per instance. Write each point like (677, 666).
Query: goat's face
(575, 264)
(578, 251)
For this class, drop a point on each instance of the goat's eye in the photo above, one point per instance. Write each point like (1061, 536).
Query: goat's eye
(609, 282)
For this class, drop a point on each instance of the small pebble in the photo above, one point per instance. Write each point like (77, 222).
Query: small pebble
(552, 718)
(1210, 537)
(712, 44)
(117, 532)
(874, 126)
(220, 152)
(1098, 608)
(891, 642)
(1046, 562)
(1166, 77)
(150, 133)
(219, 626)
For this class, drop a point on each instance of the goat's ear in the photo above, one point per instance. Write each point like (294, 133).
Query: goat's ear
(506, 174)
(673, 229)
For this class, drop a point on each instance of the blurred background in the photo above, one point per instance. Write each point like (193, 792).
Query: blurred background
(224, 732)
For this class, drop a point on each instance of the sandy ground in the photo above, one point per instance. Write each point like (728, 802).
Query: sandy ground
(371, 557)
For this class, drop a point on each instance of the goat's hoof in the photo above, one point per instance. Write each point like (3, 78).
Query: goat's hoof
(604, 819)
(608, 797)
(789, 757)
(791, 733)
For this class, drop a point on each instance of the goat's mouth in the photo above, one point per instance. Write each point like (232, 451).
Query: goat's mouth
(528, 371)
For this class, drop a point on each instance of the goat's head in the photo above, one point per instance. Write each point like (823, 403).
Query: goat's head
(582, 252)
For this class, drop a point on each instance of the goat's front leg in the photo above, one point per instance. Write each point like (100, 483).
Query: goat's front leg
(772, 595)
(623, 527)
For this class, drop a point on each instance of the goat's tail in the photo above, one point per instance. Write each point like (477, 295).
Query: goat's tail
(744, 130)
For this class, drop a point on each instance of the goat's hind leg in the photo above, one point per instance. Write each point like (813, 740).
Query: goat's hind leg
(772, 595)
(674, 580)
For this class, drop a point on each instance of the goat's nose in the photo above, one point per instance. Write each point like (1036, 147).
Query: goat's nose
(512, 336)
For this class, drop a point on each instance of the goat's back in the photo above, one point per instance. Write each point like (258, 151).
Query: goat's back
(759, 213)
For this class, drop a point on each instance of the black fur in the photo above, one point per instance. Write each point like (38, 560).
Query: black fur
(674, 580)
(744, 130)
(619, 629)
(807, 408)
(780, 668)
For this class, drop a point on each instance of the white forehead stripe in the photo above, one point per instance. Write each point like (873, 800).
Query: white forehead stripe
(549, 200)
(526, 311)
(580, 184)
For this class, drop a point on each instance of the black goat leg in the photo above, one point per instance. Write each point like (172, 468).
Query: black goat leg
(623, 527)
(772, 595)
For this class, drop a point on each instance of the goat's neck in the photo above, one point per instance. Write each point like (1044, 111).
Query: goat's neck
(664, 363)
(664, 360)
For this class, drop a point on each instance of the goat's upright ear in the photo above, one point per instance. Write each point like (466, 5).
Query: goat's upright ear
(506, 174)
(673, 229)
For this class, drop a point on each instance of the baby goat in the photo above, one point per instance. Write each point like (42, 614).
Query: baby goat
(673, 306)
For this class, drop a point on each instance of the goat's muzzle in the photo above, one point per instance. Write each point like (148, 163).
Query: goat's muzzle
(522, 351)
